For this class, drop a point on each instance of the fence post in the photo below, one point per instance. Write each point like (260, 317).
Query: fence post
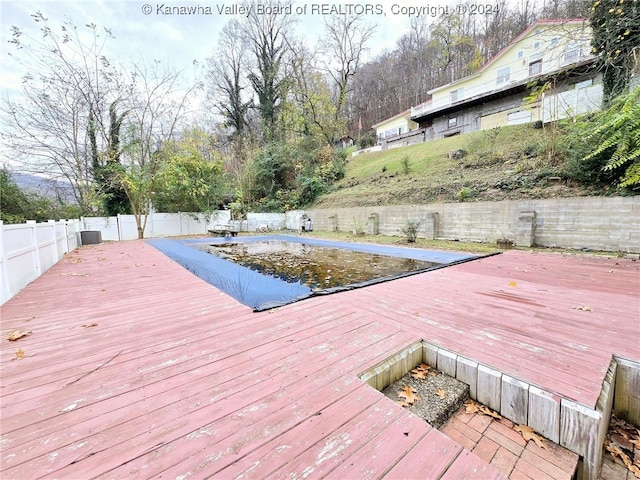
(119, 226)
(31, 224)
(6, 288)
(66, 234)
(52, 224)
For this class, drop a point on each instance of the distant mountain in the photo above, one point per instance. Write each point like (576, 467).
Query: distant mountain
(46, 187)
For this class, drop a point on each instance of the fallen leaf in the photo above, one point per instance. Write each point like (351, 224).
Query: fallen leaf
(471, 406)
(583, 308)
(88, 325)
(512, 284)
(630, 436)
(441, 393)
(102, 258)
(17, 334)
(19, 354)
(487, 411)
(529, 434)
(403, 403)
(409, 394)
(421, 371)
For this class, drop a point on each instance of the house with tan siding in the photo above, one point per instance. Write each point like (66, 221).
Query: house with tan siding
(396, 125)
(552, 57)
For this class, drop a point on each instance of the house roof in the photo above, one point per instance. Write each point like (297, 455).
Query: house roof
(524, 33)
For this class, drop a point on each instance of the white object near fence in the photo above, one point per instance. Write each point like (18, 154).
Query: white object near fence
(29, 249)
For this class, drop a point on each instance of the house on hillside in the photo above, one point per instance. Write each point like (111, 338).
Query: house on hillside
(398, 130)
(554, 55)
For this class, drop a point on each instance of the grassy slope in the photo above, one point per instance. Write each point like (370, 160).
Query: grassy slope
(507, 163)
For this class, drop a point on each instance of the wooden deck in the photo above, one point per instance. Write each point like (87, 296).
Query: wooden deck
(137, 369)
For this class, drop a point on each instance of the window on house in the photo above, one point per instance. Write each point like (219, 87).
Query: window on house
(456, 95)
(453, 122)
(503, 75)
(390, 133)
(520, 53)
(535, 68)
(554, 40)
(536, 45)
(571, 54)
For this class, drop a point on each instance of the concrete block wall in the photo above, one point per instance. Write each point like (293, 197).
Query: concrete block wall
(598, 223)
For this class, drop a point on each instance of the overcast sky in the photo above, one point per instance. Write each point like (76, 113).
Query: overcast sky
(143, 29)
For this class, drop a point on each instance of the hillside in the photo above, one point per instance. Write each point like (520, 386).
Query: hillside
(504, 163)
(48, 188)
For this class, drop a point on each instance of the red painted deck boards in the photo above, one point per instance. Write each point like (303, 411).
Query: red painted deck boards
(176, 379)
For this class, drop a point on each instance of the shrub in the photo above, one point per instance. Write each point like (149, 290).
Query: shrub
(410, 230)
(464, 193)
(618, 138)
(309, 188)
(406, 164)
(367, 140)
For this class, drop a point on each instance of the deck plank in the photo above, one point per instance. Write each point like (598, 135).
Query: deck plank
(205, 401)
(434, 454)
(239, 434)
(178, 379)
(174, 380)
(468, 466)
(140, 369)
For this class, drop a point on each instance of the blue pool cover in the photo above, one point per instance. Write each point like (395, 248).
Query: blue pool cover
(262, 292)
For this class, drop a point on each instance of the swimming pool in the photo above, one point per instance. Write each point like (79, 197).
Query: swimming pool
(265, 272)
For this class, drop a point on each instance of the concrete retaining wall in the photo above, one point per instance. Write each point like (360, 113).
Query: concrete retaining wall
(599, 223)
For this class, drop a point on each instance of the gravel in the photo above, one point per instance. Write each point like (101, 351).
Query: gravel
(432, 408)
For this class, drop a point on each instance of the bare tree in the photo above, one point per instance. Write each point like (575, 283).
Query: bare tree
(60, 121)
(160, 102)
(344, 45)
(226, 79)
(312, 97)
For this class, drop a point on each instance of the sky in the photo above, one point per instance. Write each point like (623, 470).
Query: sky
(145, 30)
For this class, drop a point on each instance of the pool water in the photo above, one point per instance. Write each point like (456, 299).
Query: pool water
(265, 272)
(317, 267)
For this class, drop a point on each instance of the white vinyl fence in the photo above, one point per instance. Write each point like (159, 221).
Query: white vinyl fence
(123, 227)
(29, 249)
